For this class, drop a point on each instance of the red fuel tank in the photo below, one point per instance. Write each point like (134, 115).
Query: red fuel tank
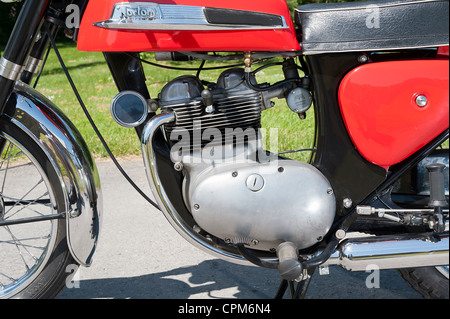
(187, 25)
(392, 109)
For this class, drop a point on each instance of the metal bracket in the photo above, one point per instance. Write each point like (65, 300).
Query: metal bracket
(10, 70)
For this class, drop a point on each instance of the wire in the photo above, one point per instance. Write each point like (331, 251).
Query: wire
(183, 69)
(297, 151)
(271, 87)
(200, 69)
(91, 121)
(42, 68)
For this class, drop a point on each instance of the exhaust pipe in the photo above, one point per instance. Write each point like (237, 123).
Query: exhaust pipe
(391, 252)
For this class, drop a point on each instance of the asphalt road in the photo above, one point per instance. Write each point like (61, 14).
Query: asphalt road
(140, 256)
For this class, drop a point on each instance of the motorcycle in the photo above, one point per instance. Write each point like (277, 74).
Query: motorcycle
(374, 191)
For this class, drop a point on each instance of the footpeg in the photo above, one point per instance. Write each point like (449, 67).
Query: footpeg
(289, 266)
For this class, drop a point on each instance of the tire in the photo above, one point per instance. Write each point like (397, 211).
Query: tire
(430, 282)
(34, 256)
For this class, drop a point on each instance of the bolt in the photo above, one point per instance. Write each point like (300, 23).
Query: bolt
(74, 213)
(255, 242)
(178, 166)
(363, 59)
(234, 174)
(196, 206)
(340, 234)
(421, 101)
(347, 203)
(329, 191)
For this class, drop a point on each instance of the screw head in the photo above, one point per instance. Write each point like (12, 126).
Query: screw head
(255, 182)
(363, 58)
(421, 101)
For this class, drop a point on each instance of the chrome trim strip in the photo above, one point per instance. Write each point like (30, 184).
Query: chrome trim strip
(10, 70)
(317, 52)
(153, 16)
(343, 6)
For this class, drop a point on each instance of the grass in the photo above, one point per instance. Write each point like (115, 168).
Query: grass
(97, 88)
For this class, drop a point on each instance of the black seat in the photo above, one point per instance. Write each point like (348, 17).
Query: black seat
(373, 25)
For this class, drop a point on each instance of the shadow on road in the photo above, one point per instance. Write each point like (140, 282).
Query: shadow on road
(214, 279)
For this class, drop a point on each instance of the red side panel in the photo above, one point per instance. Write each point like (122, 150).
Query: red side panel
(92, 38)
(378, 104)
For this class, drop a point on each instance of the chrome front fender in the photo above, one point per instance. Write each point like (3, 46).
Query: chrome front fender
(47, 125)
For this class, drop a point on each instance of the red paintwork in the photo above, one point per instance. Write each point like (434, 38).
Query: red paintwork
(377, 102)
(93, 38)
(443, 51)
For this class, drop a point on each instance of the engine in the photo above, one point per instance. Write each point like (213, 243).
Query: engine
(235, 190)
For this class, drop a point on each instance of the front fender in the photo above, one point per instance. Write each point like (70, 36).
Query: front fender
(47, 125)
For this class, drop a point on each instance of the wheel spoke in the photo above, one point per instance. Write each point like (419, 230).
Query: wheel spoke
(38, 183)
(25, 194)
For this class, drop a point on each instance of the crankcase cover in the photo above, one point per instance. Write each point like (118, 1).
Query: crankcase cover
(264, 205)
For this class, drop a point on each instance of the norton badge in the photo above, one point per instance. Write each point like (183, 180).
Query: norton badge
(148, 11)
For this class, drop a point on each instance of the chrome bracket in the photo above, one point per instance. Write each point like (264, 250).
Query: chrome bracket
(10, 70)
(33, 65)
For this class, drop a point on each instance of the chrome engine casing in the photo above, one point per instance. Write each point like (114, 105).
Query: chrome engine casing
(260, 204)
(234, 190)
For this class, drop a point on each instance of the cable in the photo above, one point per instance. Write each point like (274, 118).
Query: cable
(270, 87)
(182, 69)
(42, 68)
(298, 151)
(200, 69)
(86, 112)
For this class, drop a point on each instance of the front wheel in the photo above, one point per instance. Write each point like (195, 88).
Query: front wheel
(35, 261)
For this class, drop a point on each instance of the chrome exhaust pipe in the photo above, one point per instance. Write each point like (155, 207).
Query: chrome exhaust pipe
(169, 211)
(391, 252)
